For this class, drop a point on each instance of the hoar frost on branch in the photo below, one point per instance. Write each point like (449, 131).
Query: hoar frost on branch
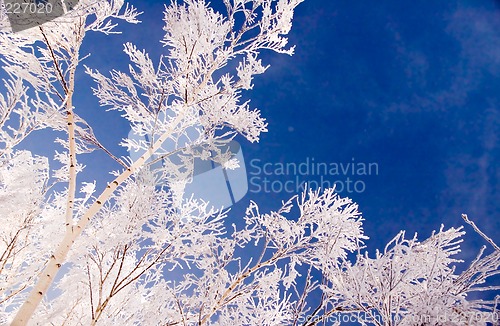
(139, 253)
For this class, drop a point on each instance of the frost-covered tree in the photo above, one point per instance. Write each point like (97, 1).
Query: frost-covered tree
(140, 253)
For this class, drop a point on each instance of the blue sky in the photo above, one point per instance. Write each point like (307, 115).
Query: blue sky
(412, 86)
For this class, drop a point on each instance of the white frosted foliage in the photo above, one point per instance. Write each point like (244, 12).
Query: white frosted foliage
(136, 251)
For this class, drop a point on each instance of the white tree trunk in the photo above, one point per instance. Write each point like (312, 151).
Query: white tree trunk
(57, 259)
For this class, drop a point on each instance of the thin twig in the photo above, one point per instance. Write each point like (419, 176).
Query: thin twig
(485, 237)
